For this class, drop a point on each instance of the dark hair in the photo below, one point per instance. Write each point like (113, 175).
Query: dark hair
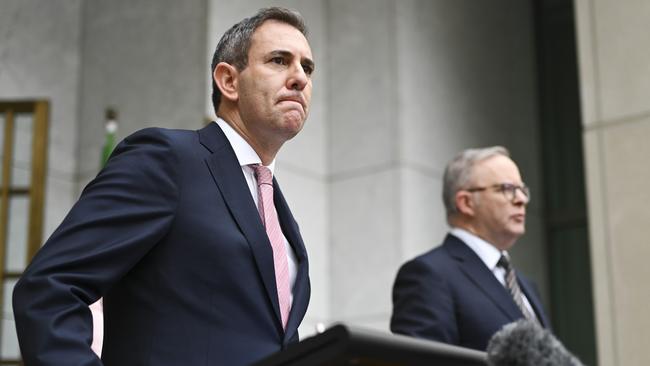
(234, 45)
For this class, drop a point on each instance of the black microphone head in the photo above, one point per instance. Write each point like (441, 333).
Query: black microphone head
(524, 343)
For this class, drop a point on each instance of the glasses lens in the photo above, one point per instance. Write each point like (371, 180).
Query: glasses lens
(526, 191)
(510, 191)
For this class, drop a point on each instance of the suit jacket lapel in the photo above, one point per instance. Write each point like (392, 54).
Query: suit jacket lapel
(301, 289)
(481, 276)
(227, 174)
(531, 295)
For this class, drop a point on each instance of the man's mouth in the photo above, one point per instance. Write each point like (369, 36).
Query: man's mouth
(293, 99)
(519, 217)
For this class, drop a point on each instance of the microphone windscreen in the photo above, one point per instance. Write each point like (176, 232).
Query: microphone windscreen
(524, 343)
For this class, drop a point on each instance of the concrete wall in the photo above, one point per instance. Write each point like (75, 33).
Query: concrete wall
(411, 84)
(614, 60)
(145, 59)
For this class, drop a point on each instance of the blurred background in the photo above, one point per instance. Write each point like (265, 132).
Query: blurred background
(400, 87)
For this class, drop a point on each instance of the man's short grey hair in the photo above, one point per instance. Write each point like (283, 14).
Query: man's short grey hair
(458, 173)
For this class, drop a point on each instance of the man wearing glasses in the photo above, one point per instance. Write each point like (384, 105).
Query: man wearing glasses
(465, 290)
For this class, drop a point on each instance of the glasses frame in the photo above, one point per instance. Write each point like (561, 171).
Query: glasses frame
(509, 190)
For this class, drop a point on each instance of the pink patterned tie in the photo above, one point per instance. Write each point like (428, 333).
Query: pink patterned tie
(269, 217)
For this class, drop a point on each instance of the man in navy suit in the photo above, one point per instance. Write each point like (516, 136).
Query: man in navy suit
(172, 233)
(459, 292)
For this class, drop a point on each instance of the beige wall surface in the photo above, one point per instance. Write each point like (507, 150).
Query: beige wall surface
(614, 62)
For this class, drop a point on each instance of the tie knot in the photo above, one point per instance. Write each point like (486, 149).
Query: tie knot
(504, 263)
(263, 174)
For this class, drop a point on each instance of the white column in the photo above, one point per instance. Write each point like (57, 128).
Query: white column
(614, 63)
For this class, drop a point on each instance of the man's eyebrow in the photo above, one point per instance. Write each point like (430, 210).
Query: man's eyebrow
(284, 53)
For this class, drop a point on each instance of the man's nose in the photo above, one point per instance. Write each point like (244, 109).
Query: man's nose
(520, 197)
(298, 78)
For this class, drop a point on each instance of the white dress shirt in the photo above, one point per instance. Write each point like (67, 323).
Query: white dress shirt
(247, 156)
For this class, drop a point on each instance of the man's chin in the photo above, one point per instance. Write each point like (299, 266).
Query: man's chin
(515, 230)
(518, 232)
(292, 125)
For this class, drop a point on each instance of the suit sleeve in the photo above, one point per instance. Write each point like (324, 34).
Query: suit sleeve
(120, 216)
(423, 305)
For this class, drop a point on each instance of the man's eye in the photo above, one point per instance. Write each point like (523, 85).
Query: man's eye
(278, 60)
(507, 187)
(308, 69)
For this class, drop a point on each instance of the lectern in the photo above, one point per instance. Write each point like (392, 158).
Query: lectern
(344, 345)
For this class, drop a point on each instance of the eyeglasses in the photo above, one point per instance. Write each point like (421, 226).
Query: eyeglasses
(509, 190)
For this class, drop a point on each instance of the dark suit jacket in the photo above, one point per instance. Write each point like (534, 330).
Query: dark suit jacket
(169, 235)
(449, 295)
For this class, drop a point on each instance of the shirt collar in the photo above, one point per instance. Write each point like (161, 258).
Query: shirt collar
(243, 150)
(488, 253)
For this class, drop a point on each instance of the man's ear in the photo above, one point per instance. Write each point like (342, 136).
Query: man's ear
(226, 77)
(465, 203)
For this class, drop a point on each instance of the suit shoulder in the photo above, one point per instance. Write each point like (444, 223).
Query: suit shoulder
(436, 256)
(155, 134)
(434, 261)
(151, 155)
(161, 141)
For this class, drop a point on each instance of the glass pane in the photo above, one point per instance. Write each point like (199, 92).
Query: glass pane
(17, 233)
(9, 348)
(22, 150)
(20, 177)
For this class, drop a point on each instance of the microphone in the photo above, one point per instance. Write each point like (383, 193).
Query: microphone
(524, 343)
